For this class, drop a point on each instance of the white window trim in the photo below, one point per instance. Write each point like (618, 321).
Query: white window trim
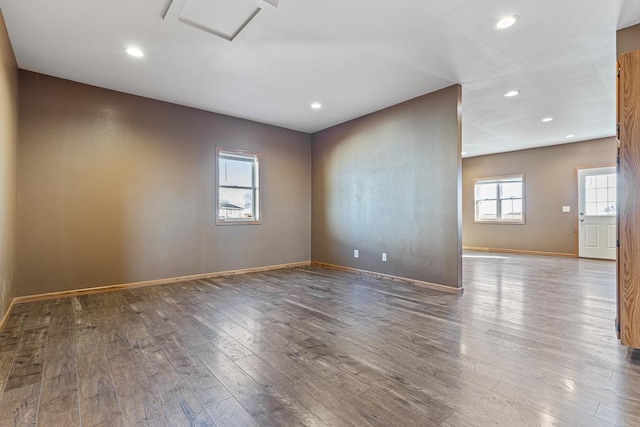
(257, 199)
(497, 179)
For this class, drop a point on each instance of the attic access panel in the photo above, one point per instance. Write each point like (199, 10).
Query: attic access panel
(226, 19)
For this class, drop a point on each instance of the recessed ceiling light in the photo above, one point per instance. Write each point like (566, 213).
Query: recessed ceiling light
(316, 106)
(570, 136)
(511, 93)
(547, 119)
(135, 51)
(506, 22)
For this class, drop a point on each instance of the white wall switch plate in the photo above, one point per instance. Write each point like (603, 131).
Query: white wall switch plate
(566, 209)
(384, 256)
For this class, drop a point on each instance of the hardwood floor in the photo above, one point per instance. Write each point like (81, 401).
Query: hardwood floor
(531, 342)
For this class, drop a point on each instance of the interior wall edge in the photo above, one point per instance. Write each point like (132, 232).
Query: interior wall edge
(628, 40)
(9, 108)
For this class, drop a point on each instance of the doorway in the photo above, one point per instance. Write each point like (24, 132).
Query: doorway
(597, 212)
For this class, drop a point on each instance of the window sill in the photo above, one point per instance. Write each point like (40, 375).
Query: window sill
(500, 222)
(238, 222)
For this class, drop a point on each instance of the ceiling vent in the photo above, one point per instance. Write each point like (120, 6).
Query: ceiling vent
(231, 20)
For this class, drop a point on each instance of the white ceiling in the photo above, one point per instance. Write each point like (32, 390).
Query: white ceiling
(354, 56)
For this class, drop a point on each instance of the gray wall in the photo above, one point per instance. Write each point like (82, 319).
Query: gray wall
(115, 188)
(388, 182)
(8, 142)
(549, 184)
(628, 39)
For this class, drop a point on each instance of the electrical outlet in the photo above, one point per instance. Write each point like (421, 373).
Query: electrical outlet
(566, 209)
(356, 254)
(384, 256)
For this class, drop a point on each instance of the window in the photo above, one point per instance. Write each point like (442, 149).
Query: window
(238, 199)
(600, 195)
(500, 199)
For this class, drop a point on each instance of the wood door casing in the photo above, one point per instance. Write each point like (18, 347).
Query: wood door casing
(629, 200)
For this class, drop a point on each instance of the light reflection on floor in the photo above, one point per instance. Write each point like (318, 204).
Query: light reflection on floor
(486, 256)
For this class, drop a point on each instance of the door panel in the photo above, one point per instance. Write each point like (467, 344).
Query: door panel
(591, 236)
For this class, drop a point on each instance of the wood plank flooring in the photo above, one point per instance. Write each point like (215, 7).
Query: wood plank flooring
(530, 343)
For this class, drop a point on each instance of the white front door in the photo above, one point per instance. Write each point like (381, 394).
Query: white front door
(597, 213)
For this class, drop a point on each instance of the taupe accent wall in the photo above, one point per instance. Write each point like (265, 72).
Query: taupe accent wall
(550, 183)
(628, 39)
(389, 182)
(115, 188)
(8, 142)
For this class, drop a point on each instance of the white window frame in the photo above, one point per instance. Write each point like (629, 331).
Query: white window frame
(498, 180)
(254, 159)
